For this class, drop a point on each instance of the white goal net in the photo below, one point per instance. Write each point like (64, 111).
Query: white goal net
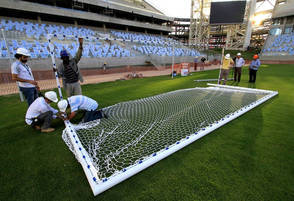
(139, 133)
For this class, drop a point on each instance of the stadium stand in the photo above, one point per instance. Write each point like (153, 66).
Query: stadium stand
(125, 34)
(279, 45)
(103, 45)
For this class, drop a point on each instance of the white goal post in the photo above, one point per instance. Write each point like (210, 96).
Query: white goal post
(100, 184)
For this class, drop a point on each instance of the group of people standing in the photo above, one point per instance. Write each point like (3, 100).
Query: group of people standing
(237, 63)
(40, 114)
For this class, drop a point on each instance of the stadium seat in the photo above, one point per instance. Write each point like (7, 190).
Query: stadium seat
(142, 43)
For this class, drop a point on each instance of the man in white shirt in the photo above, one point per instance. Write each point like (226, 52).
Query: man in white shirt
(238, 67)
(22, 73)
(80, 102)
(40, 113)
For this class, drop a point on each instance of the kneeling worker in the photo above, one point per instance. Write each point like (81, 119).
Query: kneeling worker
(40, 113)
(80, 102)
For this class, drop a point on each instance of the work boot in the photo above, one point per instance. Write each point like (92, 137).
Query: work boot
(37, 128)
(47, 130)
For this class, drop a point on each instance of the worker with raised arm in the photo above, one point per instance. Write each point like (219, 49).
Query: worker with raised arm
(70, 72)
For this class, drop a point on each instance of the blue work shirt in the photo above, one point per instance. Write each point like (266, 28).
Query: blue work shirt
(80, 102)
(255, 64)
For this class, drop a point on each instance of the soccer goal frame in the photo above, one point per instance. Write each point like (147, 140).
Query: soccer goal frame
(99, 185)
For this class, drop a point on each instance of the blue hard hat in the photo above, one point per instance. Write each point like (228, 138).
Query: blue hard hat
(63, 53)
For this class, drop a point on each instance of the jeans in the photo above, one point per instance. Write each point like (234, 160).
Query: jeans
(43, 120)
(30, 94)
(252, 75)
(92, 115)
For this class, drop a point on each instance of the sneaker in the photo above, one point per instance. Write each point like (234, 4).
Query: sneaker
(47, 130)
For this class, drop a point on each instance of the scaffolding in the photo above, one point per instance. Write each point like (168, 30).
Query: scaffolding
(237, 35)
(199, 24)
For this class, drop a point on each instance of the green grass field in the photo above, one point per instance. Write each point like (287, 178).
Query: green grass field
(251, 158)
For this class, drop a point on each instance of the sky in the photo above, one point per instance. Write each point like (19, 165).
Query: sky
(181, 8)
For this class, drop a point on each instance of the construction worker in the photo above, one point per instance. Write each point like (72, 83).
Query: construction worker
(239, 62)
(104, 65)
(254, 65)
(225, 70)
(203, 59)
(195, 63)
(84, 103)
(22, 73)
(40, 113)
(70, 72)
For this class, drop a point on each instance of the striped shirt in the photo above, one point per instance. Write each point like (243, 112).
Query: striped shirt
(70, 75)
(80, 102)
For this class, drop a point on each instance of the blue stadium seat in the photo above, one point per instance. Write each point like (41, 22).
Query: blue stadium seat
(4, 53)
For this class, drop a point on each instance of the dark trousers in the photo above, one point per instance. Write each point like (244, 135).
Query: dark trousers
(92, 115)
(43, 120)
(30, 94)
(237, 73)
(252, 75)
(195, 66)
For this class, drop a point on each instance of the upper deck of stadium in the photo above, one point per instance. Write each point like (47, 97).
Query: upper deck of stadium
(121, 14)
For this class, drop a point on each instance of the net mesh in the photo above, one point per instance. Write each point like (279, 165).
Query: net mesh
(137, 129)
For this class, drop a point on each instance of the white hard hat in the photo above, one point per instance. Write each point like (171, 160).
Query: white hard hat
(51, 95)
(228, 56)
(239, 54)
(62, 105)
(23, 51)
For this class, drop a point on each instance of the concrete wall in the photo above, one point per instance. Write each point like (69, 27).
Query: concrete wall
(284, 10)
(123, 7)
(277, 58)
(86, 63)
(45, 64)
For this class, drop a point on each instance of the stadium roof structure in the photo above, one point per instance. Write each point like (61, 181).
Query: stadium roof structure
(283, 8)
(117, 14)
(139, 7)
